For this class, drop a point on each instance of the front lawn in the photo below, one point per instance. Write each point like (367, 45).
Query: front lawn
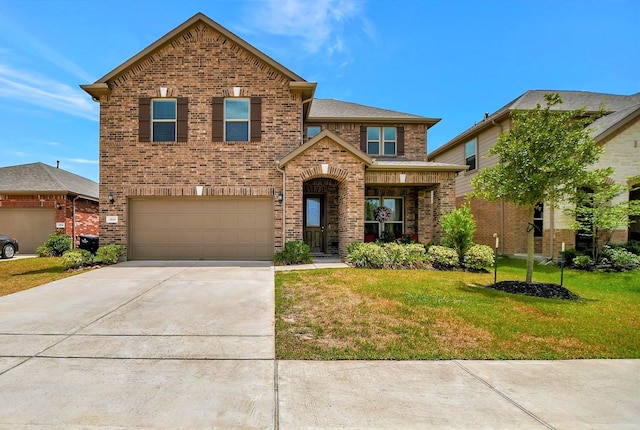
(24, 273)
(336, 314)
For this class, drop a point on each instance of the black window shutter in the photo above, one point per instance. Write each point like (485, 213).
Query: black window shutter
(183, 119)
(256, 119)
(363, 138)
(400, 141)
(217, 134)
(144, 119)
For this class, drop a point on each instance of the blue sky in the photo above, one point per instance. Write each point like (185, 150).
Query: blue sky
(452, 59)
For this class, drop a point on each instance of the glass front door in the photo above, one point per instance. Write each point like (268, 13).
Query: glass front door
(314, 223)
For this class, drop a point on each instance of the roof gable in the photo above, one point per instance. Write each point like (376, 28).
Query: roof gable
(41, 178)
(101, 86)
(317, 138)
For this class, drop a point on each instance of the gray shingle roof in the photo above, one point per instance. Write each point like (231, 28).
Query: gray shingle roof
(328, 109)
(39, 177)
(613, 104)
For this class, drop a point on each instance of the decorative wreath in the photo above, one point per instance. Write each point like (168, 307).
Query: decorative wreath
(382, 213)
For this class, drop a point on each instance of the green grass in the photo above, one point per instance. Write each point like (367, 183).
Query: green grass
(396, 315)
(24, 273)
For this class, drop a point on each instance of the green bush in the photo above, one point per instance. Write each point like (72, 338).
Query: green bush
(442, 258)
(353, 246)
(459, 228)
(416, 255)
(582, 262)
(396, 254)
(368, 255)
(109, 254)
(569, 255)
(618, 259)
(294, 252)
(479, 257)
(76, 258)
(55, 246)
(633, 246)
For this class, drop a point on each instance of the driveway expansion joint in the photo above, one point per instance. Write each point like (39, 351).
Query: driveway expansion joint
(504, 396)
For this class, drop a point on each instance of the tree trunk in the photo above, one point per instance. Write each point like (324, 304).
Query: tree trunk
(530, 245)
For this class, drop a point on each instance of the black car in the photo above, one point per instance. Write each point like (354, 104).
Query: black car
(8, 246)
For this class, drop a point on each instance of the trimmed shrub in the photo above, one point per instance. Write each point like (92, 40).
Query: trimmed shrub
(479, 257)
(55, 246)
(633, 246)
(569, 255)
(109, 254)
(76, 258)
(618, 259)
(582, 262)
(459, 226)
(442, 258)
(294, 252)
(416, 255)
(353, 246)
(396, 254)
(368, 255)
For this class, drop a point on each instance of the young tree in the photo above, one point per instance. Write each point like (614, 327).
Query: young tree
(595, 214)
(459, 228)
(542, 158)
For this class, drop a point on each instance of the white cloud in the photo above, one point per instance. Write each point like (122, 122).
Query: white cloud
(319, 23)
(38, 90)
(80, 160)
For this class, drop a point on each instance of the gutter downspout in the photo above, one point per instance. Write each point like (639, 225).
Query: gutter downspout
(284, 206)
(73, 221)
(502, 205)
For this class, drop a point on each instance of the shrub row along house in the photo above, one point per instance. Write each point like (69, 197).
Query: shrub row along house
(210, 149)
(618, 131)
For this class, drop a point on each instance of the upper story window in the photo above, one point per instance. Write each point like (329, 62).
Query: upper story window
(381, 140)
(313, 130)
(163, 119)
(470, 154)
(236, 120)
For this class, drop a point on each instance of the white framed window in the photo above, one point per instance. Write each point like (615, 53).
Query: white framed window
(236, 120)
(470, 154)
(382, 140)
(538, 219)
(163, 120)
(313, 130)
(393, 225)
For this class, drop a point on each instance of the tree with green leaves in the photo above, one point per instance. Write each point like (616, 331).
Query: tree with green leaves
(595, 214)
(543, 157)
(458, 226)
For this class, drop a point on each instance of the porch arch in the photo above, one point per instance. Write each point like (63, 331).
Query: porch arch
(333, 172)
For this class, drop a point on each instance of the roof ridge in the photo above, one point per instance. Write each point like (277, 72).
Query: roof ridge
(53, 177)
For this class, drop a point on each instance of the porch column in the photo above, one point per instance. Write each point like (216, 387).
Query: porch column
(444, 200)
(426, 219)
(351, 211)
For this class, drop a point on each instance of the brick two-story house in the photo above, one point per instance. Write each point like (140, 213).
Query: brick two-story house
(618, 131)
(210, 149)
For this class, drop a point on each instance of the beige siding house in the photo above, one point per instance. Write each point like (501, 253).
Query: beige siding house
(618, 132)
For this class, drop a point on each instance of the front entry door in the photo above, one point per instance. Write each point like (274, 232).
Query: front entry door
(314, 223)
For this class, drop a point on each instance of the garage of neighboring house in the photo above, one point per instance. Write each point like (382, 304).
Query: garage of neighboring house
(37, 200)
(31, 225)
(201, 228)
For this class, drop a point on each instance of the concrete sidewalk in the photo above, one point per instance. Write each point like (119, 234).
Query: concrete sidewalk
(191, 345)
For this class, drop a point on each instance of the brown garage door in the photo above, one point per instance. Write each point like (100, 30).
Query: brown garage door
(201, 229)
(30, 226)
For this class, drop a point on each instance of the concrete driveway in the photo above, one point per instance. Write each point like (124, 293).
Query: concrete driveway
(157, 345)
(191, 345)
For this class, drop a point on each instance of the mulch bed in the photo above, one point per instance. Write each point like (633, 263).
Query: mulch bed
(536, 289)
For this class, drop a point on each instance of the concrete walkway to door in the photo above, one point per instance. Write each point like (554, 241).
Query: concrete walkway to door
(141, 344)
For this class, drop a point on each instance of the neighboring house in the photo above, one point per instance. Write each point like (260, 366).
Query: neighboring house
(618, 132)
(210, 149)
(37, 200)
